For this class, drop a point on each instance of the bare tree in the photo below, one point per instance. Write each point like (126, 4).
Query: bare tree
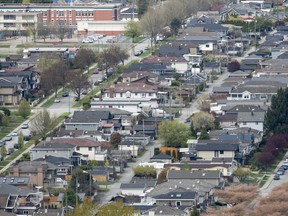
(152, 23)
(60, 29)
(63, 73)
(84, 58)
(43, 31)
(41, 124)
(79, 82)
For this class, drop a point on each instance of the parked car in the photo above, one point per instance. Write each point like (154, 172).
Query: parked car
(57, 101)
(87, 40)
(2, 142)
(276, 177)
(65, 94)
(25, 126)
(285, 167)
(85, 92)
(10, 151)
(280, 172)
(138, 52)
(27, 137)
(16, 146)
(15, 133)
(8, 138)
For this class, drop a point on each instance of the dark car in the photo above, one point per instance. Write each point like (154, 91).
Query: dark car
(65, 94)
(27, 138)
(16, 146)
(276, 177)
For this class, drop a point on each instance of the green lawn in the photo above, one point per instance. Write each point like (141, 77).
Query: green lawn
(25, 45)
(50, 102)
(138, 39)
(264, 180)
(4, 45)
(14, 122)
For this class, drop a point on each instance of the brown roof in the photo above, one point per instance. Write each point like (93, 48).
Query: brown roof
(133, 87)
(164, 59)
(81, 142)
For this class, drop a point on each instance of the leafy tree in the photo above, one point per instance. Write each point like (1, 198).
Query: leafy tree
(162, 177)
(70, 198)
(6, 111)
(233, 66)
(241, 174)
(116, 209)
(132, 30)
(203, 102)
(192, 130)
(5, 121)
(204, 135)
(145, 171)
(47, 60)
(24, 109)
(195, 212)
(276, 119)
(175, 26)
(3, 151)
(63, 73)
(115, 139)
(41, 124)
(82, 181)
(169, 129)
(142, 6)
(203, 120)
(86, 106)
(84, 58)
(20, 140)
(86, 208)
(79, 82)
(265, 159)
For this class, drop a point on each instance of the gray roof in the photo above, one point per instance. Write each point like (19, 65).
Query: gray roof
(162, 156)
(51, 145)
(32, 166)
(113, 111)
(133, 186)
(10, 189)
(88, 117)
(217, 146)
(146, 127)
(54, 160)
(11, 180)
(177, 194)
(251, 117)
(245, 108)
(194, 174)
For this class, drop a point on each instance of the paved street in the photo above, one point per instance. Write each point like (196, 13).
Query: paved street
(126, 177)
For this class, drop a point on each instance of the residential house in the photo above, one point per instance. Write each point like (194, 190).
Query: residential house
(64, 165)
(210, 176)
(250, 63)
(133, 97)
(253, 120)
(241, 11)
(132, 146)
(87, 120)
(227, 166)
(162, 157)
(10, 91)
(148, 130)
(130, 189)
(158, 68)
(138, 138)
(272, 67)
(257, 90)
(136, 75)
(177, 197)
(41, 173)
(101, 174)
(214, 148)
(20, 201)
(177, 49)
(211, 67)
(57, 149)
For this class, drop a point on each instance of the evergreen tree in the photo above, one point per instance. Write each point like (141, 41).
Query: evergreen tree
(276, 119)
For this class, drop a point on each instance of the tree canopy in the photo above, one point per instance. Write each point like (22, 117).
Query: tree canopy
(173, 133)
(203, 120)
(276, 119)
(132, 30)
(24, 109)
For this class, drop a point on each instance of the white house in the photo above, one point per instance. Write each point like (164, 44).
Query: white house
(137, 189)
(131, 146)
(253, 120)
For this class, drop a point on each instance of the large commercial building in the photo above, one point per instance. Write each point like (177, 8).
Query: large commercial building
(67, 13)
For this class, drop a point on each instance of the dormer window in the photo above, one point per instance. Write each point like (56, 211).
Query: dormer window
(128, 94)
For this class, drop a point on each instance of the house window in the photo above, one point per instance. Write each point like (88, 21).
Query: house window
(136, 94)
(77, 148)
(91, 13)
(221, 152)
(216, 153)
(246, 96)
(244, 123)
(178, 203)
(121, 94)
(61, 13)
(90, 149)
(78, 13)
(143, 94)
(256, 123)
(207, 45)
(263, 97)
(84, 13)
(25, 212)
(44, 13)
(150, 94)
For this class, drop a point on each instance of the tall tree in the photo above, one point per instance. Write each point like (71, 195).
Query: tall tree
(203, 120)
(83, 181)
(152, 24)
(132, 30)
(3, 152)
(42, 123)
(20, 140)
(276, 119)
(47, 61)
(142, 6)
(79, 82)
(60, 29)
(175, 25)
(84, 58)
(43, 31)
(24, 109)
(50, 79)
(63, 73)
(173, 133)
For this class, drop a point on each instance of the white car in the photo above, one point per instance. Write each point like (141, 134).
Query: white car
(15, 133)
(57, 101)
(8, 138)
(87, 40)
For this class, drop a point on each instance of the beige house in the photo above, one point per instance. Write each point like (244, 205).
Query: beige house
(9, 92)
(207, 151)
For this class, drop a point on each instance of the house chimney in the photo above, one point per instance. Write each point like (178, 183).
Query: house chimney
(111, 91)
